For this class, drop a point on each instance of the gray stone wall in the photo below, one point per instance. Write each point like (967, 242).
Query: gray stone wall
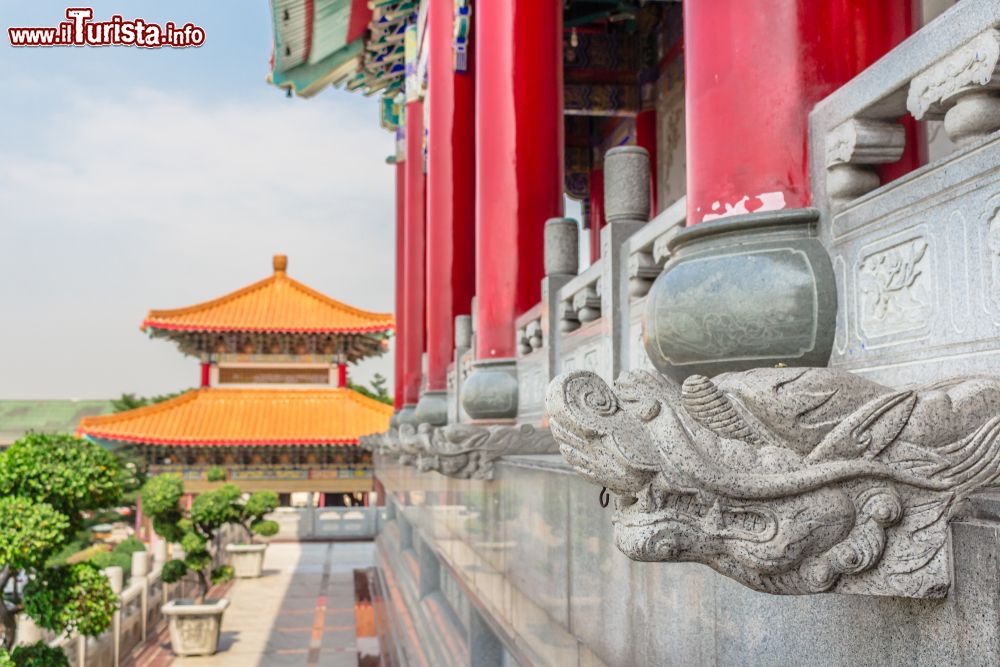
(533, 555)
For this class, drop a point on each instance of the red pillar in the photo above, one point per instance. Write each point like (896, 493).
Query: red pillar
(645, 137)
(451, 203)
(413, 248)
(753, 71)
(397, 395)
(341, 375)
(519, 159)
(519, 181)
(596, 213)
(206, 373)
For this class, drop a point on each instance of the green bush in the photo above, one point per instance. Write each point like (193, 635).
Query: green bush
(106, 559)
(75, 597)
(195, 530)
(47, 483)
(38, 654)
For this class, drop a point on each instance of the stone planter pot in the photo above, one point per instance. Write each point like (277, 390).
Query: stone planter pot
(194, 628)
(247, 559)
(745, 292)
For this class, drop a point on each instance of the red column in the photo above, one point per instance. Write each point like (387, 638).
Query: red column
(341, 375)
(519, 159)
(451, 201)
(397, 396)
(753, 71)
(206, 373)
(413, 247)
(645, 137)
(596, 213)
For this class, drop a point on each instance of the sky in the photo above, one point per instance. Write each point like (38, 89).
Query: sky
(133, 179)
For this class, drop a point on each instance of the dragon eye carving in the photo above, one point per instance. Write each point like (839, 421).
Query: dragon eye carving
(592, 395)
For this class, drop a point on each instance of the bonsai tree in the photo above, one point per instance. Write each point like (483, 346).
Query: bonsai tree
(194, 530)
(252, 512)
(47, 483)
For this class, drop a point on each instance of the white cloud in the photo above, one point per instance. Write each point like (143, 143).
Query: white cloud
(154, 201)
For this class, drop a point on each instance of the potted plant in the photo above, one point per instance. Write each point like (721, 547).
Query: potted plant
(47, 482)
(195, 624)
(248, 557)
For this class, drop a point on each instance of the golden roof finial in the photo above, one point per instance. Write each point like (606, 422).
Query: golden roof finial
(280, 263)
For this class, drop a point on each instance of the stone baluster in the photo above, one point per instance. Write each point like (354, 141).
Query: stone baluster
(463, 343)
(626, 202)
(28, 631)
(116, 577)
(160, 552)
(140, 574)
(852, 149)
(562, 262)
(963, 88)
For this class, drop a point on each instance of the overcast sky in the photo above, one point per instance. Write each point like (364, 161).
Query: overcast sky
(133, 179)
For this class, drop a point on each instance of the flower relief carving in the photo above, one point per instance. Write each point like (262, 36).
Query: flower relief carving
(895, 296)
(789, 480)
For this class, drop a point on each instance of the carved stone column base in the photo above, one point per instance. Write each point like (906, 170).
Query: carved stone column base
(407, 415)
(490, 391)
(432, 408)
(749, 291)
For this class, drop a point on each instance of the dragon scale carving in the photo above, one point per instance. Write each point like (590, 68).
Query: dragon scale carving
(464, 451)
(789, 480)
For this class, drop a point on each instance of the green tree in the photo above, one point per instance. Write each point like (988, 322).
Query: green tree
(252, 513)
(195, 530)
(133, 401)
(377, 392)
(47, 482)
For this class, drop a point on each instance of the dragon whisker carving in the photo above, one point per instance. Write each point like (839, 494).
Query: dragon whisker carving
(789, 480)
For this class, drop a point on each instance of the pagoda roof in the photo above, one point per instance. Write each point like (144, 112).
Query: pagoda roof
(216, 416)
(276, 304)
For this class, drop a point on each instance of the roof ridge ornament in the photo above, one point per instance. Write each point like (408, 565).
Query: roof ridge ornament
(280, 263)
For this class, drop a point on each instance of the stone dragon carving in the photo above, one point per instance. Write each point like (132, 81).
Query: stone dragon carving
(464, 451)
(789, 480)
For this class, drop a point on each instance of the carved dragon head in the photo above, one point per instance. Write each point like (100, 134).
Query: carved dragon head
(789, 480)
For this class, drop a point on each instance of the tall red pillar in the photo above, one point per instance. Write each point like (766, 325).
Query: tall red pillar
(399, 381)
(519, 175)
(753, 71)
(645, 137)
(413, 266)
(451, 203)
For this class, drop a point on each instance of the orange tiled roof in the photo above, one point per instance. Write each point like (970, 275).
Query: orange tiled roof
(222, 416)
(276, 303)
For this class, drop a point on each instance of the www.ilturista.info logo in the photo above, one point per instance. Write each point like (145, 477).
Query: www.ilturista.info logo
(80, 30)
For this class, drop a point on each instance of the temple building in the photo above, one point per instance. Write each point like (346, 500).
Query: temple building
(746, 410)
(273, 409)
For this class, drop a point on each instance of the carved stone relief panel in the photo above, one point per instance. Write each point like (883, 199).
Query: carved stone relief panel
(895, 294)
(917, 265)
(531, 392)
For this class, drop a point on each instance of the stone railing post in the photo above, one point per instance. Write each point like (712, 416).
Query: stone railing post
(562, 263)
(27, 631)
(160, 552)
(626, 202)
(140, 576)
(463, 343)
(116, 577)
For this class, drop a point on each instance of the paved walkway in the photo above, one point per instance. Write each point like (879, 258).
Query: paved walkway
(300, 612)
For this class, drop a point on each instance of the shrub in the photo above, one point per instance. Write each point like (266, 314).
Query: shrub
(47, 482)
(38, 654)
